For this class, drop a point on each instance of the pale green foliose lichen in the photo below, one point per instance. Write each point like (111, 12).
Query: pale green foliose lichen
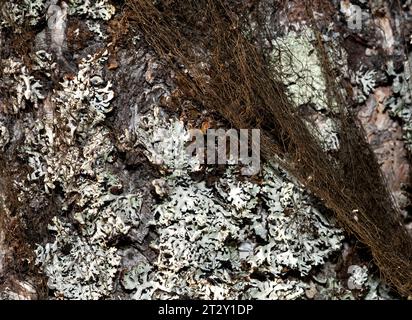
(95, 9)
(16, 13)
(25, 88)
(300, 69)
(211, 239)
(75, 268)
(358, 277)
(81, 264)
(4, 136)
(365, 80)
(361, 284)
(165, 142)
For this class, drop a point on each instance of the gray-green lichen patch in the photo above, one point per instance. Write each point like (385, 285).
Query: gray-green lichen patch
(76, 268)
(296, 60)
(94, 9)
(81, 264)
(31, 11)
(14, 14)
(72, 156)
(365, 81)
(22, 86)
(71, 115)
(69, 147)
(301, 69)
(164, 141)
(358, 277)
(4, 136)
(360, 284)
(212, 239)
